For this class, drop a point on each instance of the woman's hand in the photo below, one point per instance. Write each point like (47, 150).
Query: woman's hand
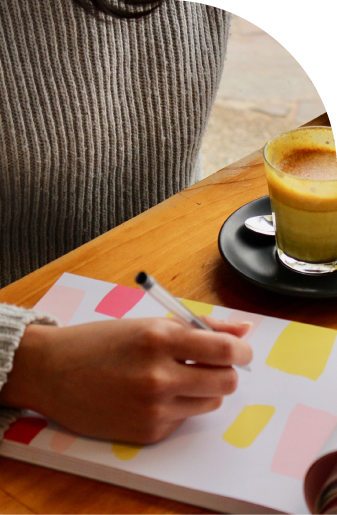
(125, 380)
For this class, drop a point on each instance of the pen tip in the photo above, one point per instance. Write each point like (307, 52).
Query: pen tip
(141, 278)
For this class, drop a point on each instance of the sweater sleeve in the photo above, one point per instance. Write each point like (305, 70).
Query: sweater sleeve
(13, 322)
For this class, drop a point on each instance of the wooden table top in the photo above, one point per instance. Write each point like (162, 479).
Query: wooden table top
(176, 242)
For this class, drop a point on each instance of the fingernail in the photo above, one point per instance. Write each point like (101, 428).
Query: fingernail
(247, 324)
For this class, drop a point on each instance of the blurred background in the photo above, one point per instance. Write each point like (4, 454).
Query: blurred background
(263, 91)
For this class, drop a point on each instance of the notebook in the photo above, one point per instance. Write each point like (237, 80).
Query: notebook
(251, 455)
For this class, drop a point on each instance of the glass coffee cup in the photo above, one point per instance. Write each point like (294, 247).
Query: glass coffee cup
(301, 172)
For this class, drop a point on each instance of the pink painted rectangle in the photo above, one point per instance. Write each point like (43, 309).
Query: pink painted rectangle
(62, 440)
(62, 302)
(119, 301)
(305, 432)
(243, 316)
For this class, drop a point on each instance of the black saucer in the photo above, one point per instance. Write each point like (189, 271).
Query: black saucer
(254, 257)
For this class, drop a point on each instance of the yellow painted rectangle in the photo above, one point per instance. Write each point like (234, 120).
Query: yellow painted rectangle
(248, 425)
(198, 308)
(125, 451)
(302, 350)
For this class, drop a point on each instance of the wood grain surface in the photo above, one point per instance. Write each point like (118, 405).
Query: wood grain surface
(175, 241)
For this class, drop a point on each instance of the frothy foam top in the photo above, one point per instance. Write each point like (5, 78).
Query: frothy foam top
(314, 164)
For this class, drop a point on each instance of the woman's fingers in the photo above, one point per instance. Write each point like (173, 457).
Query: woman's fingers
(195, 381)
(237, 328)
(184, 407)
(210, 348)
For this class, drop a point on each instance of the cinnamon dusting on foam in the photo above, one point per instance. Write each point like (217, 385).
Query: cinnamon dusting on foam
(314, 164)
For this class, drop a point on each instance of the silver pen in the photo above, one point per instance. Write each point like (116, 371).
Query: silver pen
(181, 312)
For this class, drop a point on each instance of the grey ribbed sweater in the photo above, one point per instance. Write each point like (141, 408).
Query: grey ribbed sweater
(100, 119)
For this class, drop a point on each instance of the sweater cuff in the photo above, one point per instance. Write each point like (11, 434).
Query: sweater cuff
(13, 322)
